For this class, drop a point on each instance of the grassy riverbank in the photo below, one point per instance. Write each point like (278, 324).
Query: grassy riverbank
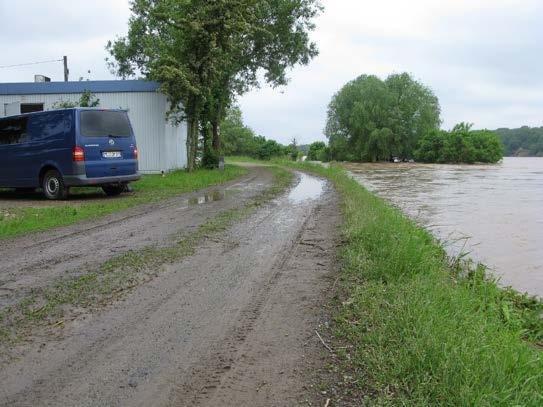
(16, 220)
(420, 330)
(411, 327)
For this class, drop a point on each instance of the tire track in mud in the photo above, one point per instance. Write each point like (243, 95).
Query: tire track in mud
(231, 374)
(208, 377)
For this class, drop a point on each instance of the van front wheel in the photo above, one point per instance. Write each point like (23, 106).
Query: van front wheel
(53, 185)
(114, 190)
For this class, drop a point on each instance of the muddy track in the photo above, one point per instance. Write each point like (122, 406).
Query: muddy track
(233, 324)
(36, 260)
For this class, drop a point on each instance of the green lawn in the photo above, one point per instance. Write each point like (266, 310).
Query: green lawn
(414, 329)
(15, 220)
(245, 159)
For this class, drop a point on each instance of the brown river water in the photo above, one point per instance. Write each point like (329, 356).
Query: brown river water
(494, 212)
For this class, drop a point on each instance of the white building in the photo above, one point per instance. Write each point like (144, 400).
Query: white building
(162, 147)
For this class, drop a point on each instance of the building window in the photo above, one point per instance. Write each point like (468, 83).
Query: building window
(31, 107)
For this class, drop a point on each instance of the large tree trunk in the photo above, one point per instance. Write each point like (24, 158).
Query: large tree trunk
(216, 143)
(192, 144)
(195, 136)
(188, 144)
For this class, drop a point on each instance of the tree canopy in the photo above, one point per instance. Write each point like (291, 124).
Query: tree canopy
(238, 139)
(371, 119)
(87, 99)
(206, 52)
(318, 151)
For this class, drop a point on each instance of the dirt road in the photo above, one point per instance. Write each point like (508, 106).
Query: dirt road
(233, 324)
(35, 260)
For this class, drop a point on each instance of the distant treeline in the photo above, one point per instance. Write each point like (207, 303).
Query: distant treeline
(523, 142)
(239, 139)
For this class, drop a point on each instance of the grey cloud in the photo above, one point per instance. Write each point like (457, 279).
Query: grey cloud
(27, 22)
(484, 65)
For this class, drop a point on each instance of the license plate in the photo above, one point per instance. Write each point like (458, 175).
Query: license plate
(111, 154)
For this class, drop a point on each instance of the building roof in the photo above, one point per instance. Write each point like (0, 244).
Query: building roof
(41, 88)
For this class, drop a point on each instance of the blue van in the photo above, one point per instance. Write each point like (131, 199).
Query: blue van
(58, 149)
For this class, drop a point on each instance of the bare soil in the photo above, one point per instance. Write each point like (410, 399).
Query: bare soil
(231, 325)
(25, 199)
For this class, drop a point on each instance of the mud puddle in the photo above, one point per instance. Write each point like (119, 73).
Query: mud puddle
(212, 196)
(309, 188)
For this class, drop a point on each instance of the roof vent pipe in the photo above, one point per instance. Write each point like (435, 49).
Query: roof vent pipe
(41, 78)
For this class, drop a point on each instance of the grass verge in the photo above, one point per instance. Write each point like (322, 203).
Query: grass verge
(413, 328)
(151, 188)
(51, 305)
(246, 159)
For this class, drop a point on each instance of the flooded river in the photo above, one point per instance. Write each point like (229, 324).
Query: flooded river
(493, 211)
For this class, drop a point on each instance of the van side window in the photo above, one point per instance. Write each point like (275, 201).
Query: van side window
(13, 131)
(50, 125)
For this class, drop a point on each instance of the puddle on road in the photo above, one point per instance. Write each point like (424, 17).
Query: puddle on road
(207, 198)
(308, 188)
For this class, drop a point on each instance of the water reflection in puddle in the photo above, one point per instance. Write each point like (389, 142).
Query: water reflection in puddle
(307, 189)
(213, 196)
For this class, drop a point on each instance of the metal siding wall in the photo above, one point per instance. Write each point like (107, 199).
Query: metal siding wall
(159, 151)
(169, 147)
(176, 150)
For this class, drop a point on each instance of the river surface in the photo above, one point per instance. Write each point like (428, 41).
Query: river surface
(494, 212)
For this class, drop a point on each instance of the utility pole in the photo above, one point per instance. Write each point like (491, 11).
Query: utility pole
(66, 71)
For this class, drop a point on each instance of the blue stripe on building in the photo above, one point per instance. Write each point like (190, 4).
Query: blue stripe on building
(43, 88)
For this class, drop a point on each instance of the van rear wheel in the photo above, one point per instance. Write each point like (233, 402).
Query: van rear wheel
(53, 185)
(114, 190)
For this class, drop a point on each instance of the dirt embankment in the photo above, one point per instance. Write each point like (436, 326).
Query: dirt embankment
(232, 324)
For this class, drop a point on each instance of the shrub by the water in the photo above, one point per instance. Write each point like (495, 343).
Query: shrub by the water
(318, 151)
(460, 145)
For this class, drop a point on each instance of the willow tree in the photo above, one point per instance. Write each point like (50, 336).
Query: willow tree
(370, 119)
(205, 53)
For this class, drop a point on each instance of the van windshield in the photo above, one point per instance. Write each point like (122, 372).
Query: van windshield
(104, 123)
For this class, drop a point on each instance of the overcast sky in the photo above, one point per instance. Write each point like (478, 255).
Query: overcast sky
(482, 58)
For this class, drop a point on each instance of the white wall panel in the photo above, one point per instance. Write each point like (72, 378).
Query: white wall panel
(175, 144)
